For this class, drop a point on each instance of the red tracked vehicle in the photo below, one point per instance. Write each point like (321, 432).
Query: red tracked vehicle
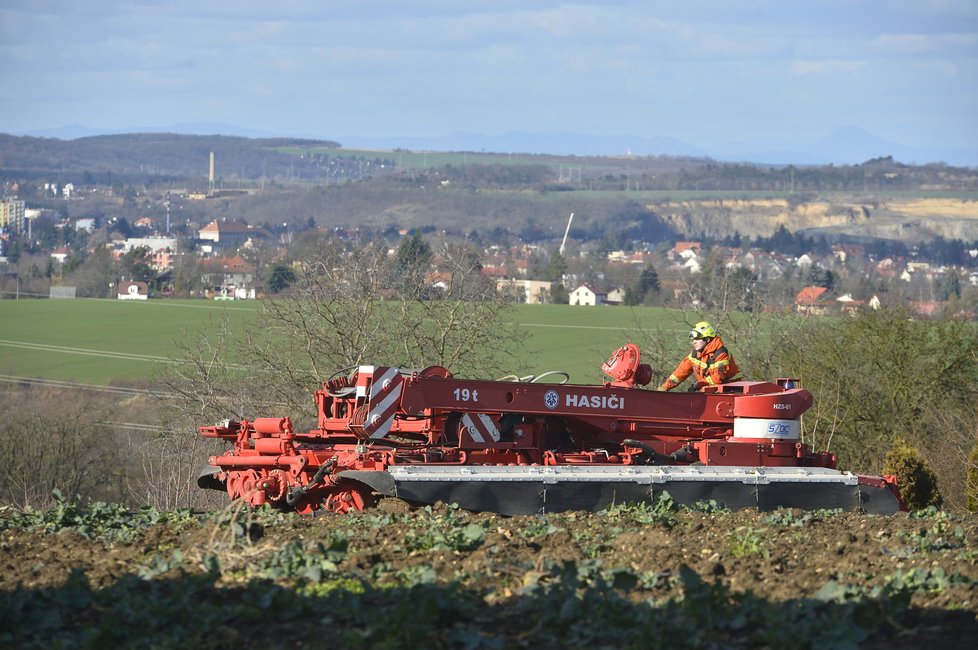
(521, 447)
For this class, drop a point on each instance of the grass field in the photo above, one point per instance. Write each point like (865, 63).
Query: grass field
(122, 342)
(101, 341)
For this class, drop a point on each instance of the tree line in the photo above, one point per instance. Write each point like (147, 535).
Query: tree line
(143, 157)
(149, 155)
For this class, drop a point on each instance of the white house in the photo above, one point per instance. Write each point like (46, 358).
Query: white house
(586, 295)
(133, 291)
(616, 296)
(61, 254)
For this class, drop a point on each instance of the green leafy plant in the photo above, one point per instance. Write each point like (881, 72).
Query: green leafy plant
(938, 536)
(95, 520)
(746, 541)
(923, 579)
(710, 506)
(788, 518)
(420, 574)
(660, 511)
(537, 527)
(445, 536)
(303, 561)
(159, 565)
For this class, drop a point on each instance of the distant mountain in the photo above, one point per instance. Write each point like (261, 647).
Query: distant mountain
(217, 128)
(74, 131)
(855, 144)
(560, 144)
(66, 132)
(846, 146)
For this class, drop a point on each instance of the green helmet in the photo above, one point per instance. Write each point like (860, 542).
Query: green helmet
(702, 330)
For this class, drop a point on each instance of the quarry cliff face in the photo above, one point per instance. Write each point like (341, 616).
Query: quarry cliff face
(905, 219)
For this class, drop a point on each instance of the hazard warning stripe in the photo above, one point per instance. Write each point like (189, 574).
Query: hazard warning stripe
(385, 394)
(480, 427)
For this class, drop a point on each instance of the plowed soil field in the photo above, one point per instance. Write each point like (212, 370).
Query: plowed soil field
(99, 575)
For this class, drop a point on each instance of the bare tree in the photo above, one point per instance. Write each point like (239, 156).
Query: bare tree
(162, 467)
(96, 274)
(347, 307)
(461, 326)
(363, 306)
(51, 439)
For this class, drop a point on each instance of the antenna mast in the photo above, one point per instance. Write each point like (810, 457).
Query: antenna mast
(166, 202)
(566, 230)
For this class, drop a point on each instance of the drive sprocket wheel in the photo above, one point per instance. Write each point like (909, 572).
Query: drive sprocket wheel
(343, 499)
(242, 484)
(275, 484)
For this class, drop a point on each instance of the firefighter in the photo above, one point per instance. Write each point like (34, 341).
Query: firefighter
(710, 362)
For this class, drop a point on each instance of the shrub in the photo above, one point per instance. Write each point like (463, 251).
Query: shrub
(884, 375)
(971, 485)
(54, 439)
(918, 484)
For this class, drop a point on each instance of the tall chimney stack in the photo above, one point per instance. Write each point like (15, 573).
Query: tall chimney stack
(210, 176)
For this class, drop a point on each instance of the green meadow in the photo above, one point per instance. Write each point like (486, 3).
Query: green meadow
(125, 343)
(102, 341)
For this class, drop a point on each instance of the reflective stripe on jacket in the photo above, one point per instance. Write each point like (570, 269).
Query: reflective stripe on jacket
(714, 365)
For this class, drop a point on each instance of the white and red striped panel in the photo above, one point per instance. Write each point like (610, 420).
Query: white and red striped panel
(385, 395)
(482, 428)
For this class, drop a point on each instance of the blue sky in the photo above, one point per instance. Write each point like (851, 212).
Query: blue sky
(706, 72)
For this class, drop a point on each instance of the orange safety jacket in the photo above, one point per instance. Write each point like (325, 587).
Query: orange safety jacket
(714, 365)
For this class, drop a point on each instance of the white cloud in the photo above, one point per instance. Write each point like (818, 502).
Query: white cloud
(828, 67)
(925, 44)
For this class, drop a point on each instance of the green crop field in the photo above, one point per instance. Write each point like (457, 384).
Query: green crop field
(101, 341)
(122, 342)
